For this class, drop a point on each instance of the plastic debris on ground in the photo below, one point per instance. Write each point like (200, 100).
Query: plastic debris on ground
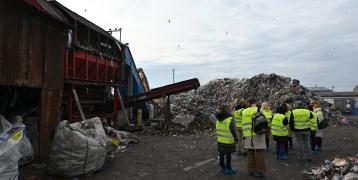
(339, 168)
(193, 111)
(117, 141)
(78, 148)
(15, 147)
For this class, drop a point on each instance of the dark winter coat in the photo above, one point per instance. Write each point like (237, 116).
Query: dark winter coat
(222, 147)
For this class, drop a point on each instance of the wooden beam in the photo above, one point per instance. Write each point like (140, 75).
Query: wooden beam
(123, 108)
(78, 104)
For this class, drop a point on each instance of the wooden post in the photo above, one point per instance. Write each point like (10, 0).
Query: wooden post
(167, 108)
(78, 104)
(124, 109)
(69, 105)
(115, 108)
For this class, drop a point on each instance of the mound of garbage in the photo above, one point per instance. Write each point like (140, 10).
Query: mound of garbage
(339, 168)
(198, 106)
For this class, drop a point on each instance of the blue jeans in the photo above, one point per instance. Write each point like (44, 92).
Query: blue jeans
(281, 148)
(303, 140)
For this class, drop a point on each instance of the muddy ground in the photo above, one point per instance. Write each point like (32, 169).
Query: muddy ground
(195, 157)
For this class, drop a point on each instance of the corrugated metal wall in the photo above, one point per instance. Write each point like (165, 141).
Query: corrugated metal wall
(32, 54)
(31, 49)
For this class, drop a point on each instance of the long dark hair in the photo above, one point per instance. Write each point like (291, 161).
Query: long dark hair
(241, 104)
(224, 109)
(281, 109)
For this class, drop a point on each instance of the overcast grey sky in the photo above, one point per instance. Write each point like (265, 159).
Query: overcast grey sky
(315, 41)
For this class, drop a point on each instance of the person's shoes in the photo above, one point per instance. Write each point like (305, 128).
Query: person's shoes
(284, 157)
(222, 169)
(301, 158)
(259, 174)
(230, 171)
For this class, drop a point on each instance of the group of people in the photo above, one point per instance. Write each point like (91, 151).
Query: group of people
(235, 133)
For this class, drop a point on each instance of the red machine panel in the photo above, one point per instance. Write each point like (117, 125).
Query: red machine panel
(81, 65)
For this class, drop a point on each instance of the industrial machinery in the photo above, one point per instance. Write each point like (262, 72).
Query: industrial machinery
(56, 65)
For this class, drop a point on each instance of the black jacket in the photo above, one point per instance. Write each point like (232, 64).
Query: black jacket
(222, 147)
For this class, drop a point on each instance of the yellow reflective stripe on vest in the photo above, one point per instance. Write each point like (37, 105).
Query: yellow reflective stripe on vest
(223, 133)
(247, 121)
(238, 117)
(277, 127)
(301, 118)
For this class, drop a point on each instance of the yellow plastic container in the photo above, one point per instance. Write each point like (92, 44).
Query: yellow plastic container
(139, 118)
(115, 141)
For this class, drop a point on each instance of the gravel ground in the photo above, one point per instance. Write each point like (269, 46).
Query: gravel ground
(195, 157)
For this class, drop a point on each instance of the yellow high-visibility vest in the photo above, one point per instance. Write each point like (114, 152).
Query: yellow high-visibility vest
(277, 127)
(223, 133)
(238, 117)
(268, 116)
(247, 121)
(301, 118)
(314, 121)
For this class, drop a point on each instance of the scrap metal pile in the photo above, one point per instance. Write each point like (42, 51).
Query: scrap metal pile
(345, 169)
(198, 107)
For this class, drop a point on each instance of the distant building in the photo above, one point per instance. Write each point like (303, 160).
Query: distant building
(347, 102)
(319, 89)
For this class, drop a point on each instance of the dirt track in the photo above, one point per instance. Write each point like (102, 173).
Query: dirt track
(195, 157)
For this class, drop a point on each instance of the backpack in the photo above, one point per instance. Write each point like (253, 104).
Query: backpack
(259, 123)
(323, 124)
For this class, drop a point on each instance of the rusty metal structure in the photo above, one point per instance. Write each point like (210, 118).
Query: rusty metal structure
(32, 39)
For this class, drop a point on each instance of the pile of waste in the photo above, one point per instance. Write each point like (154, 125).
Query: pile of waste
(199, 106)
(176, 129)
(165, 129)
(338, 169)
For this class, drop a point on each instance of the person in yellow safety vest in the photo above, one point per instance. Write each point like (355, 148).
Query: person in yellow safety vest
(226, 134)
(254, 143)
(279, 130)
(300, 124)
(314, 127)
(265, 109)
(241, 105)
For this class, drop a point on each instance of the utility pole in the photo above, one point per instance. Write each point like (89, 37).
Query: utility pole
(173, 75)
(110, 31)
(120, 34)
